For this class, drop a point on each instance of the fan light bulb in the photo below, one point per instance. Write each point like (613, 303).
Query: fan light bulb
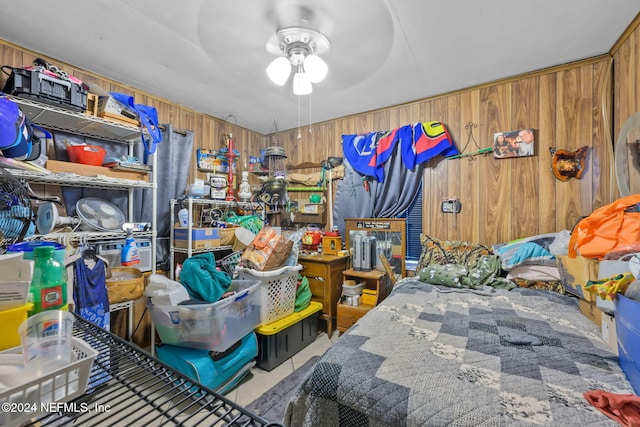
(316, 68)
(301, 83)
(279, 70)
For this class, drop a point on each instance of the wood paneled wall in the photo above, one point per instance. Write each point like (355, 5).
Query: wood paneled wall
(582, 103)
(502, 199)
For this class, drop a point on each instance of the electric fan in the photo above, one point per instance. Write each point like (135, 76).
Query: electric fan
(16, 214)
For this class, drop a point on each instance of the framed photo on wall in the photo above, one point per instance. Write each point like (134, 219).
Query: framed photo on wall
(514, 143)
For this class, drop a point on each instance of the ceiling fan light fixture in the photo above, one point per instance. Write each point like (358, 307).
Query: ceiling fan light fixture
(301, 83)
(279, 70)
(316, 68)
(300, 48)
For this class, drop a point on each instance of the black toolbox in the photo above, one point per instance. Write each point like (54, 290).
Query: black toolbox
(47, 89)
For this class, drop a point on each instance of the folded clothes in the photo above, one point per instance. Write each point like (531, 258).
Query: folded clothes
(622, 408)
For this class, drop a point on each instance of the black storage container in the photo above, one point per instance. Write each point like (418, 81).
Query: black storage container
(279, 340)
(47, 89)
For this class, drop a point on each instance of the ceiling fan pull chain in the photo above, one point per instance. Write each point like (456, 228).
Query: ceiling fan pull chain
(299, 133)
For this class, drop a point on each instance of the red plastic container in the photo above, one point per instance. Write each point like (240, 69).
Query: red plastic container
(86, 154)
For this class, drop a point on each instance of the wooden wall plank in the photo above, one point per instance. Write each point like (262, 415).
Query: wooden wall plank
(499, 177)
(547, 222)
(526, 187)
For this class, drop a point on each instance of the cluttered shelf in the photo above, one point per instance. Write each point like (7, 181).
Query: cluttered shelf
(128, 386)
(75, 180)
(64, 120)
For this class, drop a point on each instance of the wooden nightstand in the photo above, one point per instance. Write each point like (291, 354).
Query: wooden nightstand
(325, 281)
(374, 279)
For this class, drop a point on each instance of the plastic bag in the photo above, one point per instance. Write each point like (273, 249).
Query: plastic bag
(612, 228)
(268, 251)
(303, 294)
(163, 291)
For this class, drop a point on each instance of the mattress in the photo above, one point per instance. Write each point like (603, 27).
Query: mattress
(431, 355)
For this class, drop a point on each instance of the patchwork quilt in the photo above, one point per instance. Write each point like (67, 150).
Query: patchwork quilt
(433, 356)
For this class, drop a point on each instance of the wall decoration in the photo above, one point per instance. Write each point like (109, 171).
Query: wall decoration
(568, 164)
(515, 143)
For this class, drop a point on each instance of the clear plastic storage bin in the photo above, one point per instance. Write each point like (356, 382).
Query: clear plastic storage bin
(214, 326)
(277, 290)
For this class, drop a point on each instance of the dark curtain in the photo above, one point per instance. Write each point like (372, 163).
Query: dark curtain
(173, 161)
(387, 199)
(172, 169)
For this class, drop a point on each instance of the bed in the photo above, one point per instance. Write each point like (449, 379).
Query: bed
(436, 355)
(432, 355)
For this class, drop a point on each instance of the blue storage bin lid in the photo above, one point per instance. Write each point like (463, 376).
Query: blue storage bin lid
(30, 246)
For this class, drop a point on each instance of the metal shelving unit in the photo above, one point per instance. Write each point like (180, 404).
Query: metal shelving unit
(60, 119)
(128, 386)
(190, 203)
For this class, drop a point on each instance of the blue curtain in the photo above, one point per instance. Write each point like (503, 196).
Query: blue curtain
(387, 199)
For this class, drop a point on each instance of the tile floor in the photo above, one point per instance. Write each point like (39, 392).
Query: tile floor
(259, 380)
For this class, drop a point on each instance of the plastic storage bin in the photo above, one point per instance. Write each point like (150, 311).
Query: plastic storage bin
(277, 290)
(48, 89)
(214, 326)
(61, 385)
(218, 372)
(350, 290)
(628, 329)
(280, 340)
(10, 321)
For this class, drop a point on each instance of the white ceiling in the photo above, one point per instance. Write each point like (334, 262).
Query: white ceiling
(210, 55)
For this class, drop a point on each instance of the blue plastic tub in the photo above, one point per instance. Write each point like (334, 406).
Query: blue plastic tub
(628, 329)
(27, 249)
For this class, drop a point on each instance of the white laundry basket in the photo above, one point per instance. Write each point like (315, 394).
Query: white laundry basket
(277, 291)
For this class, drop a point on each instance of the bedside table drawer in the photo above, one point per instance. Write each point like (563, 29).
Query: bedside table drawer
(349, 315)
(313, 269)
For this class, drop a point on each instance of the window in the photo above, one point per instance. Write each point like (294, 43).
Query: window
(413, 216)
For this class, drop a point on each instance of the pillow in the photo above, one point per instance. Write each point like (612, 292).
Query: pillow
(436, 251)
(520, 253)
(534, 272)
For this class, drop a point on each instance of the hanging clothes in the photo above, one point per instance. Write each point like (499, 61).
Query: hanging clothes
(419, 142)
(91, 300)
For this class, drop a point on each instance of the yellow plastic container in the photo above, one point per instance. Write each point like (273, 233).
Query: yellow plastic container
(369, 297)
(282, 324)
(10, 320)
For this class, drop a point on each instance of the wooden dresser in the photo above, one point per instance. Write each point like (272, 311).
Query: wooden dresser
(325, 280)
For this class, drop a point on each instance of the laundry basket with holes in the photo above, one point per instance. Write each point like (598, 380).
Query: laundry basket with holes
(230, 262)
(277, 290)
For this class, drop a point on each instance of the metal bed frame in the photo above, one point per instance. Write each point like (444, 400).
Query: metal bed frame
(130, 387)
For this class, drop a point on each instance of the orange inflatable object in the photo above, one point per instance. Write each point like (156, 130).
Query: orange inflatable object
(611, 228)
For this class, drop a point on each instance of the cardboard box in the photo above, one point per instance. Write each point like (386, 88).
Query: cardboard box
(576, 272)
(16, 274)
(608, 330)
(589, 309)
(89, 170)
(201, 238)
